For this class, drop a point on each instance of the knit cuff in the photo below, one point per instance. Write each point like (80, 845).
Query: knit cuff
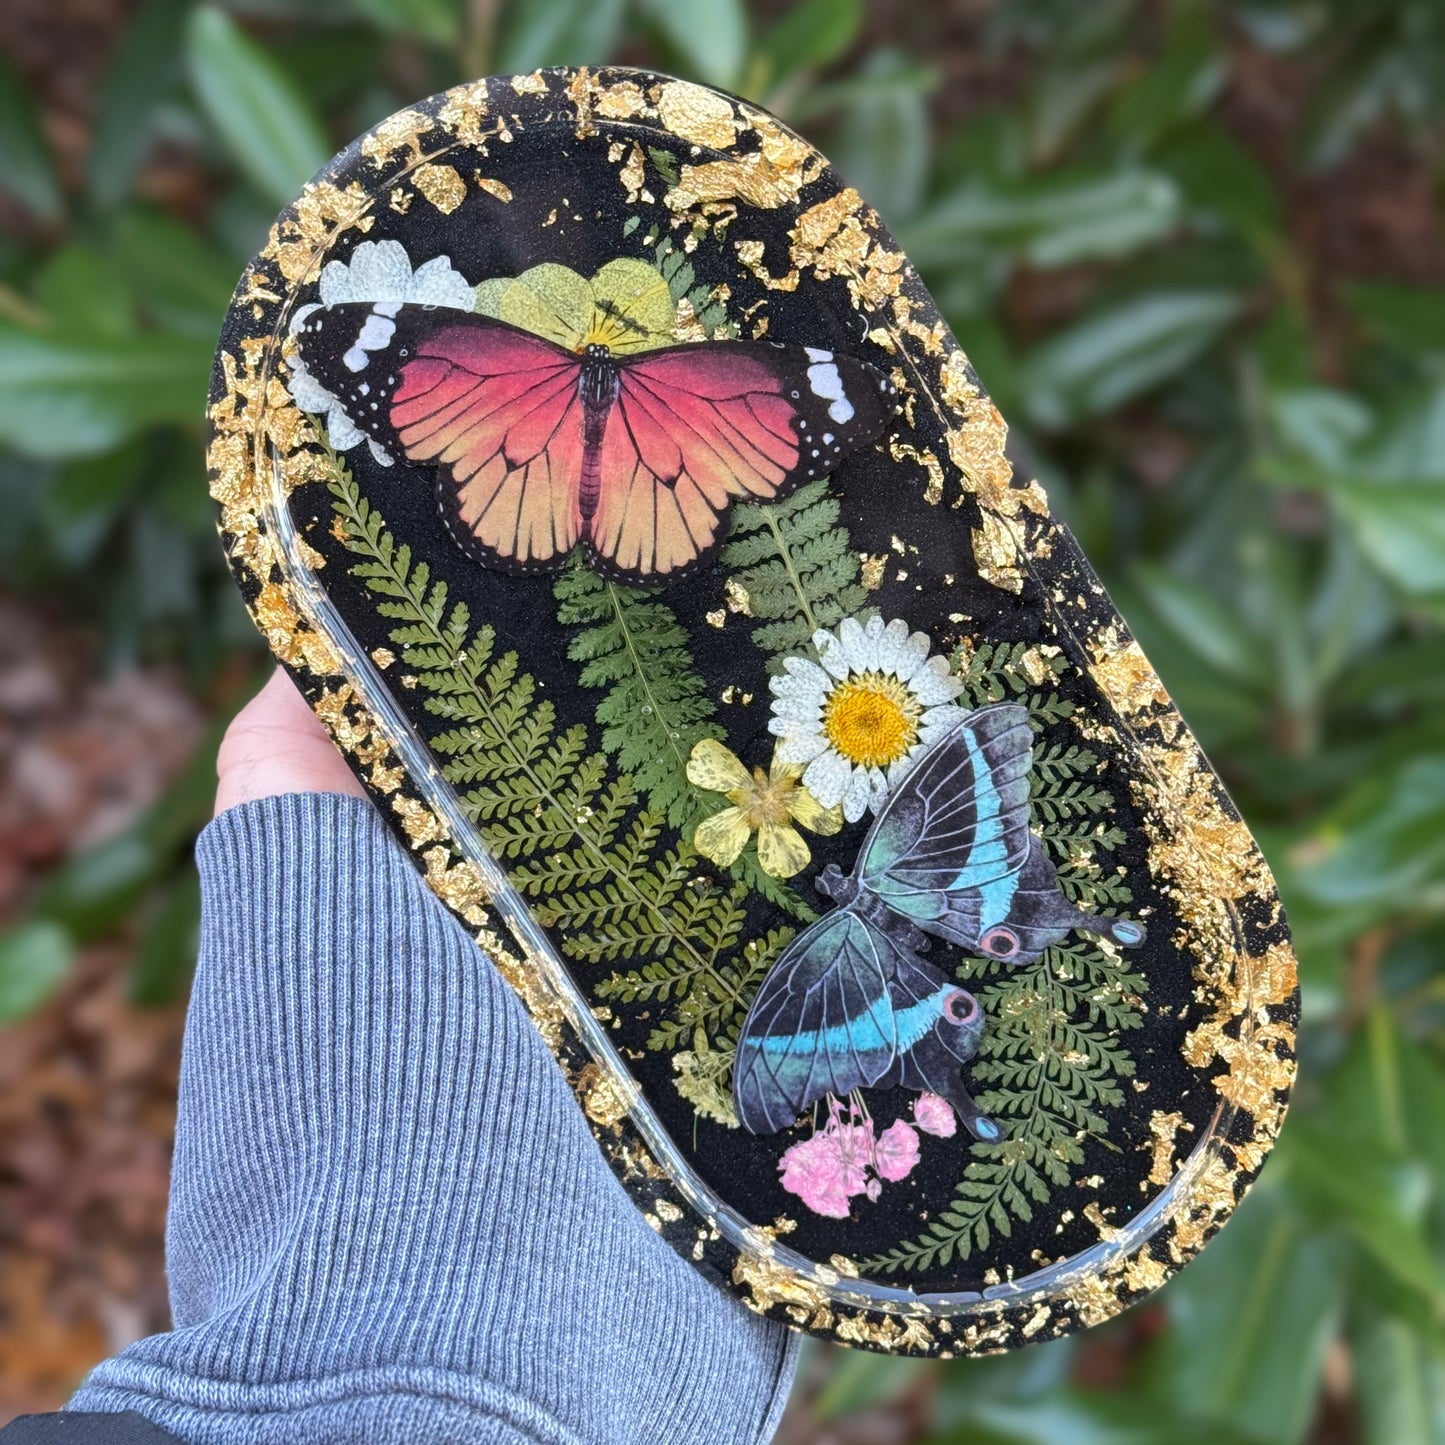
(388, 1218)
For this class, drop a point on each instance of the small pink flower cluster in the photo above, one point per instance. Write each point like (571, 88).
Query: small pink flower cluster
(846, 1157)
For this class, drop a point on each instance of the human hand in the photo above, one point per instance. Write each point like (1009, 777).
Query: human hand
(276, 744)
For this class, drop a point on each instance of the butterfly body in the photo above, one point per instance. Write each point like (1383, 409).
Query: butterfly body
(851, 1003)
(537, 449)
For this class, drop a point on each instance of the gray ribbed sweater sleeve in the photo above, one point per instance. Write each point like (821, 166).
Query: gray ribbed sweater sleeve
(388, 1219)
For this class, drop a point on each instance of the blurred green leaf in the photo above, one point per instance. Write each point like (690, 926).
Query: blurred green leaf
(438, 21)
(813, 33)
(1118, 353)
(1400, 1377)
(861, 1380)
(34, 959)
(882, 146)
(1409, 318)
(1056, 220)
(709, 36)
(27, 170)
(266, 123)
(165, 952)
(1384, 849)
(1249, 1323)
(142, 78)
(559, 32)
(183, 282)
(69, 397)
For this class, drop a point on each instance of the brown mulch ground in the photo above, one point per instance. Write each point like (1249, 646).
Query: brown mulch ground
(87, 1085)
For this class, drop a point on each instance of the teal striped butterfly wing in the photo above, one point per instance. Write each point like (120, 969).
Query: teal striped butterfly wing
(951, 851)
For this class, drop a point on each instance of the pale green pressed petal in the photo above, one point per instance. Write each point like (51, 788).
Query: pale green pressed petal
(781, 850)
(551, 301)
(722, 836)
(633, 309)
(716, 768)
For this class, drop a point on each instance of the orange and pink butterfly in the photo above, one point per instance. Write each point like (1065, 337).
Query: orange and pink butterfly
(538, 449)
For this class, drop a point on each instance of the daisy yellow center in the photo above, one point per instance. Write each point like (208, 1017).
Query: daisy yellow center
(871, 719)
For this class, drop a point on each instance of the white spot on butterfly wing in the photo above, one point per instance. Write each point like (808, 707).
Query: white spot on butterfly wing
(827, 385)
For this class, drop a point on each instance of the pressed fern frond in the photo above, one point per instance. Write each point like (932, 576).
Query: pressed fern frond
(566, 827)
(797, 568)
(654, 707)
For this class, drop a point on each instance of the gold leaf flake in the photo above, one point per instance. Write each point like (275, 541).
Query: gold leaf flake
(499, 189)
(871, 570)
(699, 116)
(441, 185)
(383, 656)
(1125, 675)
(534, 84)
(996, 553)
(402, 131)
(464, 110)
(900, 451)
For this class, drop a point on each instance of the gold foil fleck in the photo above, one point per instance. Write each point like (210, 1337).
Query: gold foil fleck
(701, 117)
(534, 84)
(871, 570)
(499, 189)
(441, 185)
(600, 1099)
(402, 131)
(464, 110)
(737, 597)
(996, 553)
(1125, 675)
(900, 451)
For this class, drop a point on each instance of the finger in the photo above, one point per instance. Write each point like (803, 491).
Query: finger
(277, 745)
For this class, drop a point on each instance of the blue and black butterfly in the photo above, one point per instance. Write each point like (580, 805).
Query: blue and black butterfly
(850, 1003)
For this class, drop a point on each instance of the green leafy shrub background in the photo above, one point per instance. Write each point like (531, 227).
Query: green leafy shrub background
(1194, 251)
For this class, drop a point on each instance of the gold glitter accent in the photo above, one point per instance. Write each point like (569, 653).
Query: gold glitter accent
(996, 552)
(767, 178)
(871, 570)
(900, 452)
(887, 1332)
(621, 102)
(1035, 1322)
(500, 189)
(1093, 1299)
(418, 821)
(717, 618)
(770, 1283)
(458, 885)
(633, 173)
(529, 984)
(667, 1211)
(1095, 1215)
(402, 131)
(1164, 1130)
(1125, 676)
(401, 200)
(320, 214)
(750, 253)
(600, 1098)
(441, 185)
(702, 117)
(464, 110)
(383, 656)
(737, 597)
(534, 84)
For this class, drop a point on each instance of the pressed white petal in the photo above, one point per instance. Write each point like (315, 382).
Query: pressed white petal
(436, 283)
(308, 393)
(855, 799)
(899, 768)
(299, 316)
(834, 656)
(875, 626)
(377, 454)
(877, 788)
(802, 668)
(343, 434)
(804, 709)
(891, 644)
(939, 720)
(932, 688)
(827, 778)
(911, 656)
(335, 286)
(800, 748)
(381, 271)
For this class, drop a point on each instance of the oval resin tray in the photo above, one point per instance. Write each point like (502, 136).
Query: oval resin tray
(604, 475)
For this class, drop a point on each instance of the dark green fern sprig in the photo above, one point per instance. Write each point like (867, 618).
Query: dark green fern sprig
(1021, 672)
(654, 708)
(796, 567)
(565, 826)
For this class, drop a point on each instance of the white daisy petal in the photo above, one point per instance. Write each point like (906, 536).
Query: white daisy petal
(437, 284)
(336, 286)
(827, 778)
(913, 655)
(891, 643)
(855, 798)
(800, 709)
(877, 789)
(937, 721)
(800, 748)
(834, 657)
(932, 686)
(377, 453)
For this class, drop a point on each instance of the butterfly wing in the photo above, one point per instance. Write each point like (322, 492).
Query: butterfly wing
(952, 851)
(494, 408)
(698, 427)
(832, 1017)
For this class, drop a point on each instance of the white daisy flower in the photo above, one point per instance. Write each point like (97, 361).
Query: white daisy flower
(860, 716)
(379, 271)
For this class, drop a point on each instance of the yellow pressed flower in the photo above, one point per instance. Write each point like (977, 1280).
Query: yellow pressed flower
(625, 307)
(766, 804)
